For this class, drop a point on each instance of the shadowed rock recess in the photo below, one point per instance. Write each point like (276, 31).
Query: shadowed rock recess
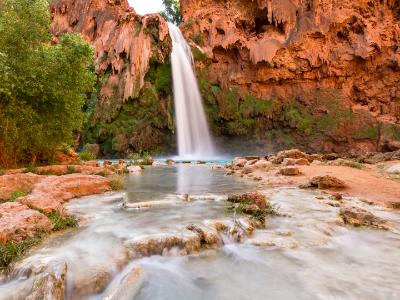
(131, 108)
(298, 72)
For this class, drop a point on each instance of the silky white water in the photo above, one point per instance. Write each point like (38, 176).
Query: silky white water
(194, 139)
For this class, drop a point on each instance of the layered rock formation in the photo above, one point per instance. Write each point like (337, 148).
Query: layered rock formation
(130, 109)
(300, 71)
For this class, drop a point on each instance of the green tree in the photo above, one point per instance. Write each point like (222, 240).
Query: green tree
(172, 12)
(42, 86)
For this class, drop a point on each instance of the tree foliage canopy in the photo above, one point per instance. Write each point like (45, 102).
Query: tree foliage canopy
(42, 86)
(172, 12)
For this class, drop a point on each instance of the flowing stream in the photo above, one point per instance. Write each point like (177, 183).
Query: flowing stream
(304, 254)
(194, 139)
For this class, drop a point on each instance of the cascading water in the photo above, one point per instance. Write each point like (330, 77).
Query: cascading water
(194, 139)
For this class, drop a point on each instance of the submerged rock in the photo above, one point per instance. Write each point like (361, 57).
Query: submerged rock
(126, 285)
(208, 236)
(50, 285)
(135, 169)
(357, 217)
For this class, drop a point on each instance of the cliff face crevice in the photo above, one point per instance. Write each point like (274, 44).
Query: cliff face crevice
(295, 50)
(128, 47)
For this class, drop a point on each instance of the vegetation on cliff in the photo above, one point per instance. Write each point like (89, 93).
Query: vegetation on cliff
(43, 86)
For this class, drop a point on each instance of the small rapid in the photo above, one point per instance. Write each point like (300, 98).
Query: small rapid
(194, 139)
(127, 253)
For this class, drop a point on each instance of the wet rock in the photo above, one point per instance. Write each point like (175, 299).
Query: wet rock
(126, 285)
(393, 204)
(208, 236)
(337, 196)
(325, 182)
(170, 162)
(135, 169)
(158, 245)
(290, 171)
(18, 221)
(273, 239)
(357, 217)
(90, 282)
(53, 191)
(50, 285)
(149, 204)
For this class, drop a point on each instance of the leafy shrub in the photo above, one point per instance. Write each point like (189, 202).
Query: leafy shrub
(30, 169)
(117, 182)
(140, 159)
(198, 39)
(198, 55)
(87, 156)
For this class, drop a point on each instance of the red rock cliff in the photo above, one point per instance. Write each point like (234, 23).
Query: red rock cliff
(324, 56)
(126, 45)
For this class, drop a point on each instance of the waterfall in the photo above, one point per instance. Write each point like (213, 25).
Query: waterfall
(194, 139)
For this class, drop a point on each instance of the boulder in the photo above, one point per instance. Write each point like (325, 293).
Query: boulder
(18, 221)
(302, 162)
(17, 182)
(293, 153)
(251, 198)
(126, 285)
(208, 236)
(326, 182)
(357, 217)
(262, 165)
(239, 162)
(170, 162)
(290, 171)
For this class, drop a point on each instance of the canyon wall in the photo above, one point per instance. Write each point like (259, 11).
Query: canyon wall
(319, 74)
(131, 109)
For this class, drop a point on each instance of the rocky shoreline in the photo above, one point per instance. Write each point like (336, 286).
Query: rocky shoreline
(32, 205)
(374, 178)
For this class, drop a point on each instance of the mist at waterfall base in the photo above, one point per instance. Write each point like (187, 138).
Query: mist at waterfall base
(194, 138)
